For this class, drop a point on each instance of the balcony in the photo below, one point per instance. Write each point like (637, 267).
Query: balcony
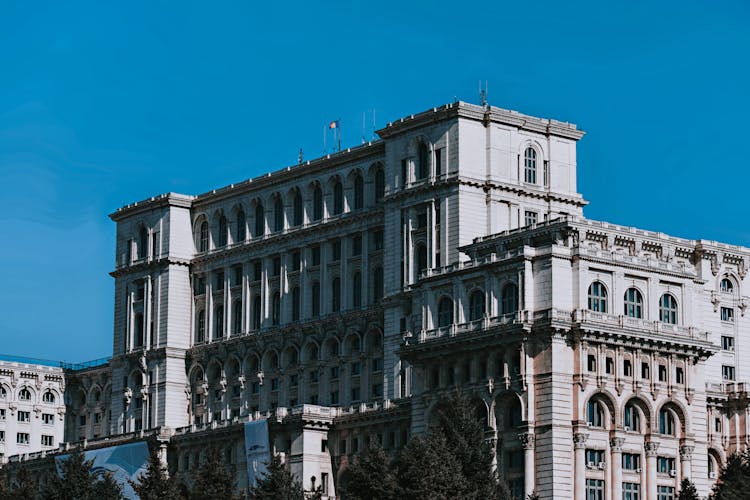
(586, 317)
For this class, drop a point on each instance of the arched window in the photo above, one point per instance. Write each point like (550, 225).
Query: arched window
(631, 418)
(726, 285)
(633, 303)
(666, 422)
(595, 414)
(48, 398)
(200, 328)
(336, 295)
(143, 243)
(359, 193)
(260, 220)
(476, 305)
(24, 395)
(315, 299)
(278, 214)
(421, 258)
(379, 184)
(423, 167)
(203, 237)
(317, 204)
(445, 312)
(237, 316)
(509, 299)
(298, 209)
(219, 321)
(668, 309)
(338, 198)
(257, 312)
(529, 164)
(3, 393)
(222, 236)
(276, 309)
(377, 283)
(597, 297)
(357, 290)
(240, 233)
(296, 303)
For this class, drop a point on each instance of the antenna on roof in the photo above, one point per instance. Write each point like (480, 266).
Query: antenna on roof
(483, 93)
(373, 124)
(300, 157)
(363, 127)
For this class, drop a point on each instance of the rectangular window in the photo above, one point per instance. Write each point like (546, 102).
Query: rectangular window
(631, 491)
(610, 367)
(727, 372)
(22, 438)
(377, 364)
(24, 416)
(356, 245)
(627, 368)
(356, 368)
(324, 483)
(237, 275)
(315, 251)
(296, 261)
(664, 493)
(662, 373)
(679, 375)
(727, 343)
(257, 271)
(334, 373)
(335, 250)
(293, 380)
(377, 239)
(631, 461)
(530, 218)
(274, 384)
(219, 280)
(314, 376)
(199, 284)
(377, 390)
(277, 266)
(439, 162)
(591, 363)
(48, 418)
(727, 314)
(594, 489)
(355, 394)
(595, 459)
(404, 172)
(644, 370)
(664, 465)
(48, 440)
(2, 414)
(334, 399)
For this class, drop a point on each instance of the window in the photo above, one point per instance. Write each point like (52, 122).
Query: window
(219, 321)
(664, 493)
(2, 438)
(662, 373)
(356, 368)
(324, 483)
(377, 240)
(595, 414)
(627, 368)
(377, 283)
(727, 372)
(530, 218)
(257, 270)
(679, 375)
(143, 243)
(48, 440)
(3, 392)
(317, 204)
(257, 312)
(48, 418)
(594, 489)
(379, 184)
(222, 239)
(377, 364)
(717, 425)
(296, 303)
(316, 299)
(22, 438)
(727, 314)
(529, 164)
(633, 303)
(645, 370)
(200, 333)
(476, 305)
(423, 167)
(631, 418)
(357, 290)
(594, 457)
(439, 162)
(240, 233)
(726, 285)
(631, 491)
(664, 465)
(509, 299)
(591, 363)
(666, 422)
(24, 395)
(334, 373)
(278, 214)
(338, 198)
(203, 237)
(237, 316)
(421, 258)
(356, 245)
(355, 394)
(445, 312)
(296, 261)
(727, 343)
(335, 250)
(24, 416)
(336, 295)
(297, 210)
(668, 309)
(631, 461)
(609, 366)
(260, 220)
(48, 398)
(276, 309)
(276, 266)
(359, 193)
(597, 297)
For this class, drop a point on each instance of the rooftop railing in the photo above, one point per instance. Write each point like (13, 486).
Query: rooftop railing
(56, 364)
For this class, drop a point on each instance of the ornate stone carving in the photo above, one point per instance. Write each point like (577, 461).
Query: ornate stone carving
(616, 444)
(527, 440)
(686, 452)
(127, 396)
(579, 440)
(651, 448)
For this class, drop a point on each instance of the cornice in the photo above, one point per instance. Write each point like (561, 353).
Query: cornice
(149, 265)
(160, 201)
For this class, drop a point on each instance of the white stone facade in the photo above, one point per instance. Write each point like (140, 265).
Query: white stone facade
(343, 296)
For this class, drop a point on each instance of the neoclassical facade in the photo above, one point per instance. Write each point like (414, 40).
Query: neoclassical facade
(342, 297)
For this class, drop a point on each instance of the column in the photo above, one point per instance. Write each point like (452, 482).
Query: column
(579, 482)
(527, 442)
(651, 449)
(686, 456)
(615, 445)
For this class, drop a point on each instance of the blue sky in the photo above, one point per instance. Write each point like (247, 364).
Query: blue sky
(104, 104)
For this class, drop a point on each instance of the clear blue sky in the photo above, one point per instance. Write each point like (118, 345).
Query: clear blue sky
(103, 104)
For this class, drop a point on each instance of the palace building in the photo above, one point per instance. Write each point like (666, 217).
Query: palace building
(341, 298)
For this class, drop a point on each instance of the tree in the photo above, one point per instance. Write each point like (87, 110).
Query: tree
(155, 484)
(734, 479)
(426, 469)
(5, 485)
(370, 477)
(23, 488)
(75, 481)
(687, 491)
(212, 480)
(277, 482)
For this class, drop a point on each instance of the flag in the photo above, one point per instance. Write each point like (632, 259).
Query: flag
(334, 124)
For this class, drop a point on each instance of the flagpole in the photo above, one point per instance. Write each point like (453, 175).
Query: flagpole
(325, 133)
(339, 131)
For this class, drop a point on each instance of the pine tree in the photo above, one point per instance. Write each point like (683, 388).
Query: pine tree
(427, 469)
(23, 487)
(5, 485)
(212, 480)
(370, 477)
(687, 491)
(277, 482)
(154, 484)
(734, 479)
(76, 481)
